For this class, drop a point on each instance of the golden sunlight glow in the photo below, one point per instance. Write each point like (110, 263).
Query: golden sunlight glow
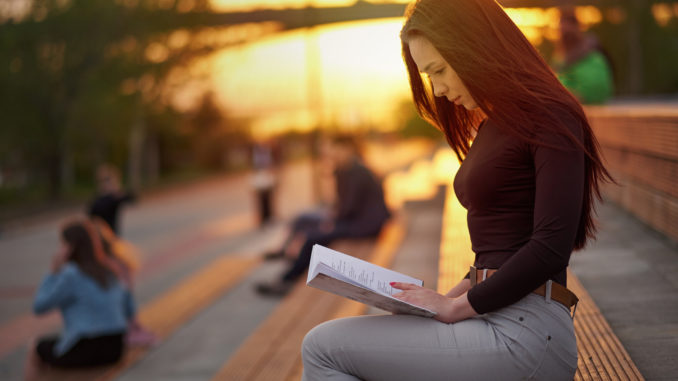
(156, 52)
(349, 74)
(588, 15)
(249, 5)
(542, 23)
(422, 179)
(663, 14)
(536, 23)
(455, 244)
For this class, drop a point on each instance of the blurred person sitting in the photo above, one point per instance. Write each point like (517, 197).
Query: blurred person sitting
(110, 196)
(95, 305)
(582, 65)
(359, 212)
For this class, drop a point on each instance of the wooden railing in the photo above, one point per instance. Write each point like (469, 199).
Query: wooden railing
(640, 146)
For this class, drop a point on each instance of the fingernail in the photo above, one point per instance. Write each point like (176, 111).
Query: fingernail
(392, 283)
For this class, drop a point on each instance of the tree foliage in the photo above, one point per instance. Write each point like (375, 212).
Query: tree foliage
(80, 79)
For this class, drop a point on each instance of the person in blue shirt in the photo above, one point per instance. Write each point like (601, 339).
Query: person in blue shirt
(95, 305)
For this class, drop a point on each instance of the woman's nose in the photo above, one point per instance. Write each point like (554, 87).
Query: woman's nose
(439, 89)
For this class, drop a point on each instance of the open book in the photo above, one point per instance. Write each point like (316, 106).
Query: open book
(359, 280)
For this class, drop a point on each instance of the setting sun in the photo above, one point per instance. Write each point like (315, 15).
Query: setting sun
(349, 73)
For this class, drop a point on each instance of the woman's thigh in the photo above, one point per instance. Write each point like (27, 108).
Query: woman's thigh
(508, 345)
(402, 347)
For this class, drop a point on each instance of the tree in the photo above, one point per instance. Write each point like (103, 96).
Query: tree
(80, 78)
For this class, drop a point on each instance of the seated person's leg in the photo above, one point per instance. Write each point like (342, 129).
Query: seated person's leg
(282, 286)
(293, 248)
(308, 221)
(96, 351)
(301, 225)
(301, 263)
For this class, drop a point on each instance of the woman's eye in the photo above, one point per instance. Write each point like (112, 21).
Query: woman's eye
(438, 72)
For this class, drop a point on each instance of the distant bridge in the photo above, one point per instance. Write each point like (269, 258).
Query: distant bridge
(312, 16)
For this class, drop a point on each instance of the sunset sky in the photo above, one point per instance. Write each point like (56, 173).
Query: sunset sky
(350, 74)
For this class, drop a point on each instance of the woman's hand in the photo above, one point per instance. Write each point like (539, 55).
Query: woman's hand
(60, 257)
(448, 310)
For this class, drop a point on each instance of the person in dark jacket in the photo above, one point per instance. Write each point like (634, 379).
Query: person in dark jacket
(360, 212)
(110, 197)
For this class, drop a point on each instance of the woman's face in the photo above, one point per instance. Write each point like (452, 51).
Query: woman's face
(65, 250)
(446, 82)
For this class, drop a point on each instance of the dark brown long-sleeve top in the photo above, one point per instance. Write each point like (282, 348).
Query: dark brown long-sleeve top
(524, 202)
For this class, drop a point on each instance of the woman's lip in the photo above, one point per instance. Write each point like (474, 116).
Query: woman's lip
(456, 100)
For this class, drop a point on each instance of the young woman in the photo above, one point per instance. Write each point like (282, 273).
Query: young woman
(529, 182)
(95, 305)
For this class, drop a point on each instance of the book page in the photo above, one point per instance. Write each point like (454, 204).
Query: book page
(357, 271)
(359, 280)
(366, 296)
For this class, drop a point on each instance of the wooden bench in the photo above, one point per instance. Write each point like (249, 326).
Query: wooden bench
(169, 311)
(272, 352)
(601, 355)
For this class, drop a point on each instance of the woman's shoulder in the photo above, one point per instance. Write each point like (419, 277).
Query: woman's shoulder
(570, 120)
(70, 269)
(69, 273)
(565, 130)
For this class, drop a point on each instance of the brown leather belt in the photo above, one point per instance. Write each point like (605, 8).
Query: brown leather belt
(557, 292)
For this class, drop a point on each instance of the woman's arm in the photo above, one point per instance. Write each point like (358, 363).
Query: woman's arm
(459, 289)
(55, 291)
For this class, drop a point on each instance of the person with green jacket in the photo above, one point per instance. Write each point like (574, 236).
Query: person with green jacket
(582, 66)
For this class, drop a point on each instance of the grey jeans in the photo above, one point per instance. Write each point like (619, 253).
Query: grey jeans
(532, 339)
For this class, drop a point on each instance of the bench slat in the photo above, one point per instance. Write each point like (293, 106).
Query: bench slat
(601, 354)
(273, 350)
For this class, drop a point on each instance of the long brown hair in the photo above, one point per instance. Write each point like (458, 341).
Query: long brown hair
(508, 79)
(87, 252)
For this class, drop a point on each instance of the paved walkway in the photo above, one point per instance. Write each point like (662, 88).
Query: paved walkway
(631, 272)
(178, 232)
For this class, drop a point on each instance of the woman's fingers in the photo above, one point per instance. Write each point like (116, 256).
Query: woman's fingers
(404, 286)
